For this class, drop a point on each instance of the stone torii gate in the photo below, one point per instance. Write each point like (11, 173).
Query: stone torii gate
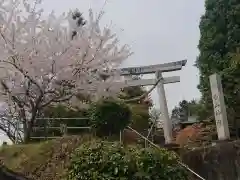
(158, 70)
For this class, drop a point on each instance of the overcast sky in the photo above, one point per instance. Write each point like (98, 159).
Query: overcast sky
(158, 31)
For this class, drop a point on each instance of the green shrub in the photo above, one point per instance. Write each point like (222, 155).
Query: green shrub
(101, 160)
(109, 116)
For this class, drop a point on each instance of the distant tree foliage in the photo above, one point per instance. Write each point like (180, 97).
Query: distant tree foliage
(4, 143)
(189, 108)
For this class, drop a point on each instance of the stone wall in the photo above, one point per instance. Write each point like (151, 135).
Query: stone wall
(220, 162)
(6, 174)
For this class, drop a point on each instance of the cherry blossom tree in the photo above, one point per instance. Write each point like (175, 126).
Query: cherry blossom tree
(50, 60)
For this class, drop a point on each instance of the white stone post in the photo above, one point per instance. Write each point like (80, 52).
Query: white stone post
(167, 124)
(219, 107)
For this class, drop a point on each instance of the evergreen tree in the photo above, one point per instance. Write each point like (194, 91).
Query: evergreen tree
(218, 45)
(189, 108)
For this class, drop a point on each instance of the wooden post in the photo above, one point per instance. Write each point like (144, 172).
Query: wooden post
(120, 136)
(45, 128)
(219, 107)
(63, 129)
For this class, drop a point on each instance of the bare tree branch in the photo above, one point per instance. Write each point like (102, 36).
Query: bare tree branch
(145, 94)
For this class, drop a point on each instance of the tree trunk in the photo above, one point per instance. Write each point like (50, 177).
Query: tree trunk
(27, 126)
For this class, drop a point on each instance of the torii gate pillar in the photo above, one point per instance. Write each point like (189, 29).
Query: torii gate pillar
(167, 124)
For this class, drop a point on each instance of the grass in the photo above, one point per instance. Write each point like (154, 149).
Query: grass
(45, 160)
(15, 156)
